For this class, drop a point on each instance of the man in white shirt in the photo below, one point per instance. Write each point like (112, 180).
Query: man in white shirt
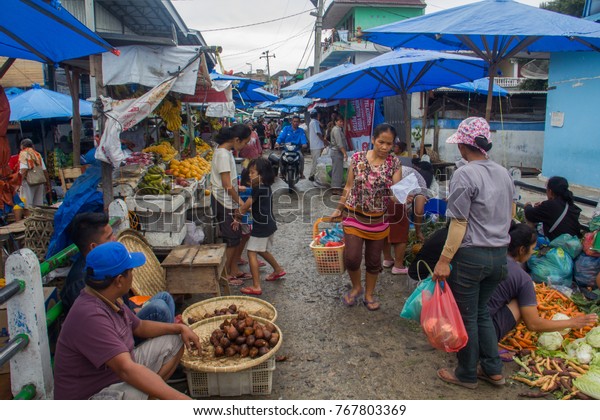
(316, 140)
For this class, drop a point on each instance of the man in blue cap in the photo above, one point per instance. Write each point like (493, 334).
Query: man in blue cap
(95, 353)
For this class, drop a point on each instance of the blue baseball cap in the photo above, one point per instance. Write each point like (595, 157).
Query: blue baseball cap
(110, 259)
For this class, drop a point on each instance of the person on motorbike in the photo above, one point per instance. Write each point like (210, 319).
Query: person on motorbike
(295, 135)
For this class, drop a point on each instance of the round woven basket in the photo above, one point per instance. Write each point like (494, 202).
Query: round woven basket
(206, 361)
(253, 306)
(149, 279)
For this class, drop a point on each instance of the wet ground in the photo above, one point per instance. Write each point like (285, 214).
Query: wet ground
(339, 352)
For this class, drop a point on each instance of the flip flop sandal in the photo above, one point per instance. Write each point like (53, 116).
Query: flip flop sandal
(349, 300)
(251, 291)
(234, 281)
(244, 276)
(242, 261)
(485, 377)
(506, 355)
(445, 375)
(275, 276)
(262, 264)
(371, 305)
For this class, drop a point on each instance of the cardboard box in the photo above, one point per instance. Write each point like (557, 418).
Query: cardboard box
(50, 299)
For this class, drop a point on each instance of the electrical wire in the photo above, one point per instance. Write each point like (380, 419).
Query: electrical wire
(266, 46)
(257, 23)
(306, 48)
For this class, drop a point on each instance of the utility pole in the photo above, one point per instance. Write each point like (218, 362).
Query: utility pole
(318, 30)
(266, 55)
(250, 64)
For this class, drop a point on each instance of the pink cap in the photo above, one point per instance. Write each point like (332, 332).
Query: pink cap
(468, 130)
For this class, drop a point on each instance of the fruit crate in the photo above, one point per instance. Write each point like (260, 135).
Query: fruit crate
(253, 381)
(162, 221)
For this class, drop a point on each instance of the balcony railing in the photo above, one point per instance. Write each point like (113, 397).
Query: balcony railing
(508, 82)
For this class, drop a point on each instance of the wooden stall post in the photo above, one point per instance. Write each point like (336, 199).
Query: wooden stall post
(73, 82)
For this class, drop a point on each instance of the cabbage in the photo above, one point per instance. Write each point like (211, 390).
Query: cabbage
(550, 340)
(571, 348)
(589, 383)
(560, 317)
(584, 353)
(593, 337)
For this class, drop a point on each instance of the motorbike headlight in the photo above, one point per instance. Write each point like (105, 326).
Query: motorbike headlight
(290, 147)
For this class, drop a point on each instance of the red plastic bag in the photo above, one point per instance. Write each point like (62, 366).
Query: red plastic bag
(441, 320)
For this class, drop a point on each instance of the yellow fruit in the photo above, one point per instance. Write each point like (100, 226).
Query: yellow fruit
(206, 192)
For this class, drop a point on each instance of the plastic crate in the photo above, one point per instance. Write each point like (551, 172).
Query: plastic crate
(254, 381)
(162, 221)
(165, 239)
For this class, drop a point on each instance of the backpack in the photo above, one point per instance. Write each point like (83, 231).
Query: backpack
(35, 176)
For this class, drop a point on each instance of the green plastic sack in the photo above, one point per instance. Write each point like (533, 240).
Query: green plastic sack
(569, 243)
(414, 303)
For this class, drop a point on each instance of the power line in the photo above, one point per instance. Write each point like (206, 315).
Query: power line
(305, 49)
(255, 24)
(266, 46)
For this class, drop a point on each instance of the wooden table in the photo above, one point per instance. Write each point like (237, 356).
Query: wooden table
(196, 269)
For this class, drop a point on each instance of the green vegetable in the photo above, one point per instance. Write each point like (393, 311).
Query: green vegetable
(593, 337)
(550, 340)
(589, 383)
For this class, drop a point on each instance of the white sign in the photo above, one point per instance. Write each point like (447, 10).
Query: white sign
(557, 119)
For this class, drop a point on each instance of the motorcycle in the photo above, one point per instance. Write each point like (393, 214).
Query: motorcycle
(288, 163)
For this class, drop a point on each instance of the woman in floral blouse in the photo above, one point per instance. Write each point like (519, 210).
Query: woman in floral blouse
(363, 206)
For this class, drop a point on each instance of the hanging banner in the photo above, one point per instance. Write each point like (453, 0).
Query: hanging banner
(360, 125)
(122, 115)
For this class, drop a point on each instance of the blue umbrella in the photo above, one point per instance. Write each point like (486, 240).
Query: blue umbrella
(480, 86)
(494, 30)
(399, 72)
(242, 83)
(307, 83)
(44, 31)
(38, 103)
(293, 102)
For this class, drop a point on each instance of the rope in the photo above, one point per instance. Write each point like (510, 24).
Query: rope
(133, 220)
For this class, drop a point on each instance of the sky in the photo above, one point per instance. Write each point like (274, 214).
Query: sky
(291, 40)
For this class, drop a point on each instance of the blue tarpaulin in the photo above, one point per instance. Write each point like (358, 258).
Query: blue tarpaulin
(38, 103)
(292, 102)
(82, 197)
(45, 31)
(257, 95)
(480, 86)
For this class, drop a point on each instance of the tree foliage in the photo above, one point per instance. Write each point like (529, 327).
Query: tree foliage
(566, 7)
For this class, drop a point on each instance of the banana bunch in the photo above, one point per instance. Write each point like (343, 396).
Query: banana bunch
(203, 149)
(171, 114)
(154, 182)
(164, 149)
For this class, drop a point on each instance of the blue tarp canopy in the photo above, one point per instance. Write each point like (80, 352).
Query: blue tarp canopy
(399, 72)
(38, 103)
(480, 86)
(292, 102)
(242, 83)
(257, 95)
(45, 31)
(307, 83)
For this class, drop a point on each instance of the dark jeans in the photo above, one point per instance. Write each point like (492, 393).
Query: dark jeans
(476, 272)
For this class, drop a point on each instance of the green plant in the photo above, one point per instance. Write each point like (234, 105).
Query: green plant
(417, 133)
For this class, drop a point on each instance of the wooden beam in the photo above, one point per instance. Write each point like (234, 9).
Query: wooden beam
(73, 82)
(6, 66)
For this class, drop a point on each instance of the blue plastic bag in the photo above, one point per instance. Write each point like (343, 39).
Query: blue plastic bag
(414, 303)
(586, 270)
(556, 265)
(569, 243)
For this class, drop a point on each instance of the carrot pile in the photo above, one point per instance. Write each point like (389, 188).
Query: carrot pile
(550, 302)
(552, 375)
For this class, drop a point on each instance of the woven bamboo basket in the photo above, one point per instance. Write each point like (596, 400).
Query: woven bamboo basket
(39, 227)
(253, 306)
(149, 279)
(206, 361)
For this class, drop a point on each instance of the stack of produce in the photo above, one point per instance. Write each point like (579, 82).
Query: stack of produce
(551, 305)
(166, 151)
(195, 167)
(231, 310)
(140, 158)
(203, 149)
(562, 368)
(62, 159)
(244, 336)
(330, 237)
(170, 112)
(155, 182)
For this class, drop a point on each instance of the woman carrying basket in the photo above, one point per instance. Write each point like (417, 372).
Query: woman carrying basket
(363, 205)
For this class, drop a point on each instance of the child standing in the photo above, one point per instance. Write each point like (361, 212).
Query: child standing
(263, 225)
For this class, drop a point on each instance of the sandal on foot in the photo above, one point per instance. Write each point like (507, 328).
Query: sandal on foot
(234, 281)
(506, 355)
(243, 276)
(251, 291)
(445, 375)
(275, 276)
(485, 377)
(371, 305)
(262, 264)
(388, 263)
(349, 300)
(242, 261)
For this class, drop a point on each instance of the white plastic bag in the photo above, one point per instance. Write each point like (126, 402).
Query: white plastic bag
(194, 235)
(402, 189)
